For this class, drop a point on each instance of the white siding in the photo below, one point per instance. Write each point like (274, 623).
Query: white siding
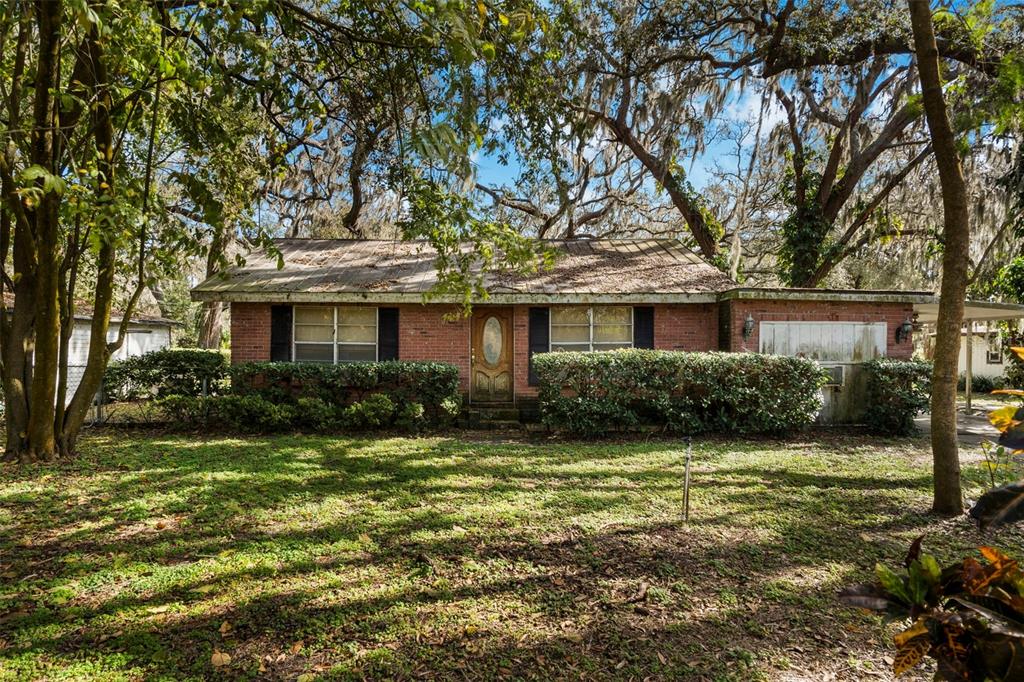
(980, 366)
(141, 338)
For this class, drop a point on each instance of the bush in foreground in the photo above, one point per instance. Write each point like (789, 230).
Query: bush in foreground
(898, 390)
(595, 393)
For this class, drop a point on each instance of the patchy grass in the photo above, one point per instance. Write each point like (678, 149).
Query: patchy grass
(334, 558)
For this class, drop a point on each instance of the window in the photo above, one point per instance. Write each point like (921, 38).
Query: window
(335, 334)
(994, 354)
(576, 328)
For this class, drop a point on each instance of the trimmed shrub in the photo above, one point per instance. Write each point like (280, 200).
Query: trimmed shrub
(169, 371)
(898, 390)
(376, 411)
(316, 415)
(249, 413)
(269, 397)
(184, 410)
(594, 393)
(981, 384)
(433, 385)
(410, 417)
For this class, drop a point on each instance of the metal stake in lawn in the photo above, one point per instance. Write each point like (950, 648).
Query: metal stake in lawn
(686, 481)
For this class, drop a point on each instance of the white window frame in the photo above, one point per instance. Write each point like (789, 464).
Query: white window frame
(334, 335)
(994, 356)
(590, 318)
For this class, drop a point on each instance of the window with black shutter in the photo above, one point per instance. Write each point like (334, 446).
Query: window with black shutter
(643, 327)
(387, 334)
(538, 338)
(280, 333)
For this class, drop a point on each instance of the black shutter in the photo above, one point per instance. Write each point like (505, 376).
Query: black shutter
(539, 337)
(387, 333)
(643, 327)
(280, 333)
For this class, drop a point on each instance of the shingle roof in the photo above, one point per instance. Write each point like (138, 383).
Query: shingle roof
(322, 269)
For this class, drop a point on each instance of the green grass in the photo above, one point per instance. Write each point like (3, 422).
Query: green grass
(339, 558)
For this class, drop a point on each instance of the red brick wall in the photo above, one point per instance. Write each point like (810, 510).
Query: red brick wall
(893, 314)
(521, 352)
(688, 326)
(423, 334)
(685, 326)
(250, 332)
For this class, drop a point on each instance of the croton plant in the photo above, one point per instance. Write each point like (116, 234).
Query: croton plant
(969, 615)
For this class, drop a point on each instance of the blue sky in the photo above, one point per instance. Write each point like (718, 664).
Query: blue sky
(743, 106)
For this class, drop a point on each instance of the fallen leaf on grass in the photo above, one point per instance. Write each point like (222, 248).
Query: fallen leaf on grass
(158, 609)
(295, 648)
(219, 658)
(225, 628)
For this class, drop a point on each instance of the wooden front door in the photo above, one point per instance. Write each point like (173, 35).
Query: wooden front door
(491, 358)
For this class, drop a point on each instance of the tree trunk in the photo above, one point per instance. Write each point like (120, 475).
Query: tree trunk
(956, 229)
(211, 324)
(106, 259)
(46, 221)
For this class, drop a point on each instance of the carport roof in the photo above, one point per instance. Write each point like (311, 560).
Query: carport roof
(974, 311)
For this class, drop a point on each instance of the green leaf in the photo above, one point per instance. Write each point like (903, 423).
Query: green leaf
(893, 583)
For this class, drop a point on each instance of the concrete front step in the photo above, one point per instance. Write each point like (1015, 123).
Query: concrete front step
(496, 416)
(498, 425)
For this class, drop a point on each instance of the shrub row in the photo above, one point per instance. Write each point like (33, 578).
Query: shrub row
(169, 371)
(897, 391)
(432, 385)
(982, 384)
(594, 393)
(252, 412)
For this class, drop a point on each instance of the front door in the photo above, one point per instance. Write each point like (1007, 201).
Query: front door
(491, 359)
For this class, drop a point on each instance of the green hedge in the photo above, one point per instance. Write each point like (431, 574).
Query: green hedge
(253, 413)
(169, 371)
(431, 388)
(595, 393)
(897, 391)
(981, 383)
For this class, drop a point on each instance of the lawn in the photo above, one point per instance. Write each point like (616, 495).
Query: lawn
(301, 557)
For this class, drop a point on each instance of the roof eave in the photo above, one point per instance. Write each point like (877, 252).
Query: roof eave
(828, 295)
(503, 298)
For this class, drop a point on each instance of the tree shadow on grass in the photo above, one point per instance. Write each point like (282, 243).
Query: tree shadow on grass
(395, 558)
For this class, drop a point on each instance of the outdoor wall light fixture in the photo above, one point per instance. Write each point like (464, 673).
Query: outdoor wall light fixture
(904, 331)
(748, 326)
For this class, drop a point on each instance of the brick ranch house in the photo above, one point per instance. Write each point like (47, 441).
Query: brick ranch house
(351, 300)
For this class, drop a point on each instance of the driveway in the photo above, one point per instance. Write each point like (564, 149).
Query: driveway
(972, 428)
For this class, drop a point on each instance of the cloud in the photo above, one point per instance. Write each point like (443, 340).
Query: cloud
(746, 107)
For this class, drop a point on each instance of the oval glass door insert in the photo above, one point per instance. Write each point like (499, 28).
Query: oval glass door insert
(492, 341)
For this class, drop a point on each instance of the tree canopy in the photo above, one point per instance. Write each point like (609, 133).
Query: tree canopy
(147, 142)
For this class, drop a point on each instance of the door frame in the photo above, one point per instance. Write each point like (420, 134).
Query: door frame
(482, 309)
